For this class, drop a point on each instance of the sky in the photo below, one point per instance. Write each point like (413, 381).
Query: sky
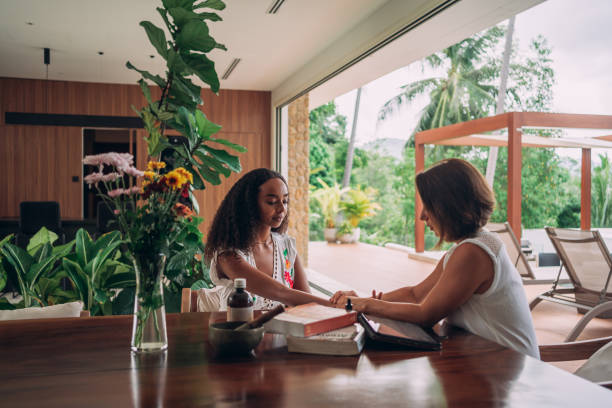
(579, 35)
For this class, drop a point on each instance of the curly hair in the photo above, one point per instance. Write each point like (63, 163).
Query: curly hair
(457, 196)
(236, 219)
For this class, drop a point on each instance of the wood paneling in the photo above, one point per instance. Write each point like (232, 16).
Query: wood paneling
(37, 162)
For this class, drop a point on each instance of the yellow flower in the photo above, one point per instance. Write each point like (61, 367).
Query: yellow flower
(185, 174)
(174, 179)
(149, 175)
(153, 165)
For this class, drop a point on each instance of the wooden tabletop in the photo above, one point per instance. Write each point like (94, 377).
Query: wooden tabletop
(86, 362)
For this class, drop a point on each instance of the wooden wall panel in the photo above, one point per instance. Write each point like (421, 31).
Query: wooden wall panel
(54, 153)
(37, 165)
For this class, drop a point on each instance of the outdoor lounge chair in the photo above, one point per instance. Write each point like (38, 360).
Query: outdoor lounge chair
(513, 247)
(588, 263)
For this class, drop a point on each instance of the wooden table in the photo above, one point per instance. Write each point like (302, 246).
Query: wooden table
(86, 362)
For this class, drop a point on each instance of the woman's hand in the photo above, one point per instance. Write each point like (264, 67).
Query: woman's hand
(358, 304)
(377, 296)
(336, 296)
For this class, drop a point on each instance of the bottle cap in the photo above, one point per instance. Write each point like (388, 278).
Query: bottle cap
(240, 283)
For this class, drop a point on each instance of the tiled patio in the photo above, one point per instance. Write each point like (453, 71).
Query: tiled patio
(364, 267)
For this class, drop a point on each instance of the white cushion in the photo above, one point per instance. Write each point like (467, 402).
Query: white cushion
(72, 309)
(598, 368)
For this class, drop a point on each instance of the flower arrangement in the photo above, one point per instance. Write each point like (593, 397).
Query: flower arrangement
(148, 216)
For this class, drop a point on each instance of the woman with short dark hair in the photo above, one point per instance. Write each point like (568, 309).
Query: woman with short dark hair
(475, 285)
(248, 239)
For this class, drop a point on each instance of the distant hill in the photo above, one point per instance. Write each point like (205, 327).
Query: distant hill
(386, 147)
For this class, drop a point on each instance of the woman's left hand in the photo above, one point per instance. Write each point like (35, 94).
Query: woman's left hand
(358, 304)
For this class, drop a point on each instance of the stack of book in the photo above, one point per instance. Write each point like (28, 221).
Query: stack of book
(317, 329)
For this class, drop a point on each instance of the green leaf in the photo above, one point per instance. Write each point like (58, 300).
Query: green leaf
(209, 16)
(199, 284)
(42, 237)
(63, 250)
(96, 265)
(6, 239)
(198, 183)
(227, 143)
(232, 161)
(38, 268)
(6, 305)
(204, 69)
(159, 81)
(124, 302)
(204, 126)
(213, 4)
(213, 163)
(189, 88)
(156, 37)
(20, 260)
(188, 4)
(145, 90)
(194, 36)
(83, 246)
(79, 279)
(3, 277)
(176, 64)
(121, 280)
(182, 16)
(208, 174)
(106, 240)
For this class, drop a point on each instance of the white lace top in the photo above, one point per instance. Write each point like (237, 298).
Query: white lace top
(500, 314)
(284, 260)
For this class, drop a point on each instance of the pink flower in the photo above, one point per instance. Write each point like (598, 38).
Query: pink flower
(93, 178)
(133, 171)
(134, 190)
(116, 192)
(109, 177)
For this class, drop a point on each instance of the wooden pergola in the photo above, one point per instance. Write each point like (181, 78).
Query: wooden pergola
(470, 134)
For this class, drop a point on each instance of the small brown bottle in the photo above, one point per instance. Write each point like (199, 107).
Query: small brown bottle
(239, 303)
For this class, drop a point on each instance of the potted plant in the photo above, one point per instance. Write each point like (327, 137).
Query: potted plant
(346, 233)
(355, 205)
(328, 198)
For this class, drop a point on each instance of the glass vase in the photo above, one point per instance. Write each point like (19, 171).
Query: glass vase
(149, 322)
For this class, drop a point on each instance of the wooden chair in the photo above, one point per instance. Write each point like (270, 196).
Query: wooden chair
(189, 300)
(588, 263)
(597, 352)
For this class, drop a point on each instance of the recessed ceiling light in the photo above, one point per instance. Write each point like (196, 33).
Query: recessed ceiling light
(100, 52)
(29, 23)
(152, 56)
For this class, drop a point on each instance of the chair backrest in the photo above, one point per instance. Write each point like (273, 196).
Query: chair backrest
(585, 257)
(33, 215)
(513, 247)
(189, 300)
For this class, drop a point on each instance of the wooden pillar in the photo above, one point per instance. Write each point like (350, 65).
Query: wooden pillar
(419, 226)
(514, 172)
(585, 191)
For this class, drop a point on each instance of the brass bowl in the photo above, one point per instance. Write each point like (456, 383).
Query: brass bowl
(227, 341)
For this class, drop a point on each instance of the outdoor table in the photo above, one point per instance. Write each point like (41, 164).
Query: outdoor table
(87, 362)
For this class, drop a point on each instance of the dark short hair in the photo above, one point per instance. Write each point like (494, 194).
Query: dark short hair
(457, 196)
(238, 215)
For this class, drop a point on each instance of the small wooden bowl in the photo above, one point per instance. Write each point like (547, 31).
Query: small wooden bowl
(227, 341)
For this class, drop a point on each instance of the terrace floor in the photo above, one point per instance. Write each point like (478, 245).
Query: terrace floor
(364, 267)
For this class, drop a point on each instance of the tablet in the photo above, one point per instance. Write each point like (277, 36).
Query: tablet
(399, 333)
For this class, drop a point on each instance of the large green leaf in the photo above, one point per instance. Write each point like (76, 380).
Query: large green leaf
(198, 183)
(145, 90)
(194, 36)
(232, 161)
(209, 175)
(39, 239)
(213, 163)
(83, 247)
(63, 250)
(181, 16)
(213, 4)
(156, 37)
(6, 305)
(121, 280)
(188, 4)
(159, 81)
(106, 240)
(204, 68)
(95, 266)
(205, 127)
(20, 260)
(79, 279)
(209, 16)
(187, 87)
(38, 268)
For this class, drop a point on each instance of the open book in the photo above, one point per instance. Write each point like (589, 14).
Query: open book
(310, 319)
(400, 334)
(346, 341)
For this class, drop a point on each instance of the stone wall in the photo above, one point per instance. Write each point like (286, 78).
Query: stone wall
(299, 170)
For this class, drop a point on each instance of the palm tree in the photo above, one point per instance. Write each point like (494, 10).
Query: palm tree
(466, 92)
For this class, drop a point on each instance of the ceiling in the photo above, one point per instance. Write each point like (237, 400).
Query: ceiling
(285, 53)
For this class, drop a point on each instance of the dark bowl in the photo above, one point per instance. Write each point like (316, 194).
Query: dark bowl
(227, 341)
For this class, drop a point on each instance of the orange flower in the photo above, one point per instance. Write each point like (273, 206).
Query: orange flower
(182, 210)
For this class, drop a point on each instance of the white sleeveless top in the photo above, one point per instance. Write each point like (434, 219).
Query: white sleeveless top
(501, 314)
(284, 272)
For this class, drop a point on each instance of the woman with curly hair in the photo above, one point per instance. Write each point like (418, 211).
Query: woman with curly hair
(248, 239)
(475, 285)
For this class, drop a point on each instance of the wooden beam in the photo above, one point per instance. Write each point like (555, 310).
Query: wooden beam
(419, 226)
(514, 173)
(585, 191)
(567, 120)
(471, 127)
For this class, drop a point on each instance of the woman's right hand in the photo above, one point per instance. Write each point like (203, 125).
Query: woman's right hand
(336, 296)
(377, 296)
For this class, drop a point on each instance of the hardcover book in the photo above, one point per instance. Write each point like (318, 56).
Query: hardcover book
(346, 341)
(310, 319)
